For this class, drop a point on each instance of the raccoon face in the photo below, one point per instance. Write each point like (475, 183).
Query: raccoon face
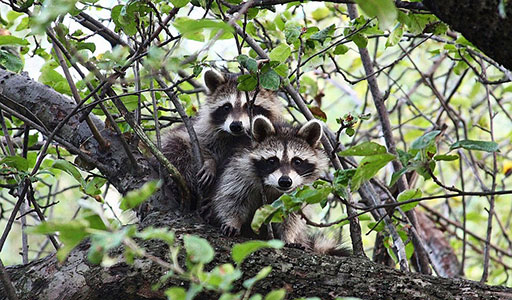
(288, 159)
(229, 108)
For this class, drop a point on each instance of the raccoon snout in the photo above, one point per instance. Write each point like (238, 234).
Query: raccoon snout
(236, 127)
(285, 181)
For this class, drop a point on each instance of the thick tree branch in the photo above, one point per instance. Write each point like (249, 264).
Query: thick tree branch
(293, 269)
(479, 22)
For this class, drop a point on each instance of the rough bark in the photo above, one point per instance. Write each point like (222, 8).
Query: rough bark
(50, 107)
(480, 23)
(301, 274)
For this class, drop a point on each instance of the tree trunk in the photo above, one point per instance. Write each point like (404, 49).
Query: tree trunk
(480, 23)
(302, 274)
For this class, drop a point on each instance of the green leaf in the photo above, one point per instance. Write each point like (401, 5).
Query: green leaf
(187, 26)
(320, 13)
(323, 34)
(425, 140)
(261, 215)
(93, 186)
(198, 249)
(176, 293)
(179, 3)
(17, 162)
(12, 40)
(292, 32)
(408, 195)
(395, 36)
(276, 295)
(446, 157)
(133, 198)
(69, 168)
(71, 233)
(261, 275)
(280, 53)
(368, 167)
(307, 194)
(384, 10)
(270, 80)
(360, 40)
(476, 145)
(364, 149)
(10, 61)
(241, 251)
(248, 63)
(341, 49)
(396, 176)
(162, 234)
(247, 82)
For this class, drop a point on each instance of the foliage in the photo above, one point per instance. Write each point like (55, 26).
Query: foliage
(448, 108)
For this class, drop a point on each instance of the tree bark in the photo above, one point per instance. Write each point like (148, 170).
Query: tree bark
(50, 107)
(302, 274)
(480, 23)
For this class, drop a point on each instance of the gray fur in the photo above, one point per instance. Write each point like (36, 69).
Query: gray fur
(217, 145)
(239, 191)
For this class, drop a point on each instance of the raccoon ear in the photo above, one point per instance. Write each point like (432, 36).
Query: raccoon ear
(311, 132)
(261, 128)
(213, 79)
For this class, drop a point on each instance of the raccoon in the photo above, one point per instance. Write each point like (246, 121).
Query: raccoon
(280, 159)
(222, 126)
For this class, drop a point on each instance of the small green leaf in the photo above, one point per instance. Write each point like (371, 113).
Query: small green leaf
(384, 10)
(350, 131)
(176, 293)
(93, 186)
(280, 53)
(179, 3)
(198, 249)
(10, 61)
(425, 140)
(364, 149)
(71, 233)
(446, 157)
(163, 234)
(307, 194)
(396, 176)
(248, 63)
(368, 167)
(247, 82)
(17, 162)
(276, 295)
(360, 40)
(241, 251)
(292, 32)
(261, 275)
(261, 215)
(395, 36)
(323, 34)
(476, 145)
(69, 168)
(133, 198)
(341, 49)
(270, 80)
(408, 195)
(9, 40)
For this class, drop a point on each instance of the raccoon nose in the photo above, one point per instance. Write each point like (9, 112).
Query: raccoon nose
(285, 181)
(236, 127)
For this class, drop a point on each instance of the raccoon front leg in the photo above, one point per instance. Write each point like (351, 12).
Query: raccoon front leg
(206, 174)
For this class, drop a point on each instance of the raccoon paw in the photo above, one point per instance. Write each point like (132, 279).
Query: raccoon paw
(206, 175)
(206, 212)
(229, 230)
(296, 246)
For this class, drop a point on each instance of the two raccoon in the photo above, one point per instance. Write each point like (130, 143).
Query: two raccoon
(238, 173)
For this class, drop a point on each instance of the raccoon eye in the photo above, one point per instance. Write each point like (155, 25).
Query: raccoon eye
(226, 107)
(297, 161)
(272, 161)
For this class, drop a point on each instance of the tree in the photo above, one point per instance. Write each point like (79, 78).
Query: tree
(438, 143)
